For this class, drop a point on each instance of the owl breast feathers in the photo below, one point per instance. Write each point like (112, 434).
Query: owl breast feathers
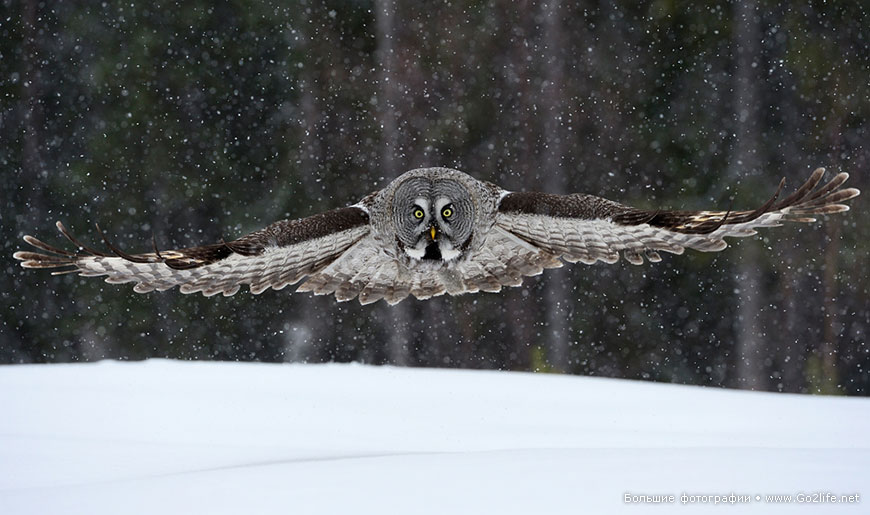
(433, 231)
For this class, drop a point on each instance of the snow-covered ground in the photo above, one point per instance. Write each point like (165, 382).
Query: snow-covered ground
(164, 437)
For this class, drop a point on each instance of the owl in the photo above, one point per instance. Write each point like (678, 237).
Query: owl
(433, 231)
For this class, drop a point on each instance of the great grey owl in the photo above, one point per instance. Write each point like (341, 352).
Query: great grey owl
(433, 231)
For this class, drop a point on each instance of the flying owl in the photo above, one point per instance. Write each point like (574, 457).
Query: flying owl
(433, 231)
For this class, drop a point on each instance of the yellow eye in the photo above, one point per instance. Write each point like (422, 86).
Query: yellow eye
(419, 214)
(447, 212)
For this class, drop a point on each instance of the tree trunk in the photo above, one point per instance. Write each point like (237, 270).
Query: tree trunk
(828, 349)
(32, 165)
(557, 298)
(306, 333)
(829, 382)
(395, 319)
(750, 345)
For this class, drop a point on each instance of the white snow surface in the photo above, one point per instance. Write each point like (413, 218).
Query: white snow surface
(164, 437)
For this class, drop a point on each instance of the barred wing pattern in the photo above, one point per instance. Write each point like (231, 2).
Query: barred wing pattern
(587, 229)
(351, 252)
(281, 254)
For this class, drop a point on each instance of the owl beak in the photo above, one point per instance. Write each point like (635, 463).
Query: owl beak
(432, 232)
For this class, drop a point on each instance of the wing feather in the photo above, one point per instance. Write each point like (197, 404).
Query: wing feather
(503, 260)
(281, 254)
(348, 275)
(586, 228)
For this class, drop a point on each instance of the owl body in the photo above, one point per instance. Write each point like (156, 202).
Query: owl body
(433, 231)
(414, 248)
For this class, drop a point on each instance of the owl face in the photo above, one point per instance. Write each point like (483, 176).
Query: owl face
(433, 219)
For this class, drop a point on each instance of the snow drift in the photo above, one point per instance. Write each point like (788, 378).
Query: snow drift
(195, 437)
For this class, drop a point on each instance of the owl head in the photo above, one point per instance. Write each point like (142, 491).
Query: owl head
(433, 215)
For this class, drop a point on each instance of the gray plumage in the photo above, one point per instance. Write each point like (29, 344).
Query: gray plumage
(434, 231)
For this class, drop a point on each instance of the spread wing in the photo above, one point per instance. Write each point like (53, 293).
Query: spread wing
(281, 254)
(586, 228)
(531, 232)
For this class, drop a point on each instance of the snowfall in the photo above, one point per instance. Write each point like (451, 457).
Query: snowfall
(163, 437)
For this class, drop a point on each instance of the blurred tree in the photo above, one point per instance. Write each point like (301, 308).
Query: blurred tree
(200, 121)
(745, 162)
(396, 318)
(558, 305)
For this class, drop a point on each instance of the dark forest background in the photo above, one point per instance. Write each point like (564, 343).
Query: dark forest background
(199, 120)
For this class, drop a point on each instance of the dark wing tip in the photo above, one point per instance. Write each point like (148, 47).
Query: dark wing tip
(825, 200)
(63, 230)
(57, 257)
(54, 258)
(851, 192)
(41, 245)
(120, 253)
(36, 260)
(808, 199)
